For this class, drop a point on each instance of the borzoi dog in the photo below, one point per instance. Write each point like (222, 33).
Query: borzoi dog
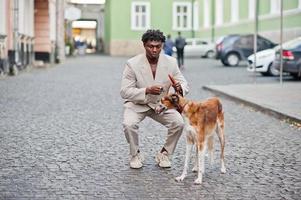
(201, 120)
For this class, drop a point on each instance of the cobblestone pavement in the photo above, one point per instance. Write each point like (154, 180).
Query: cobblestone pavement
(61, 138)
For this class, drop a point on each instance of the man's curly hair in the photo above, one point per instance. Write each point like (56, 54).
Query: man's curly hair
(153, 35)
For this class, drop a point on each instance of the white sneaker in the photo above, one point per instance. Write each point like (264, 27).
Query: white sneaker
(162, 160)
(136, 161)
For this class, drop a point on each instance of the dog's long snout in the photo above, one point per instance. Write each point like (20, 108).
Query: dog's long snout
(160, 108)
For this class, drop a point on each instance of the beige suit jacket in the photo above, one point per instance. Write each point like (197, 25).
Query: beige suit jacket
(137, 75)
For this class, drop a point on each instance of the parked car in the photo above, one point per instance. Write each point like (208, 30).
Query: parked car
(196, 47)
(232, 49)
(291, 55)
(264, 62)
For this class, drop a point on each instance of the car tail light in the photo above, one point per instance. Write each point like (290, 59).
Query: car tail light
(286, 54)
(219, 47)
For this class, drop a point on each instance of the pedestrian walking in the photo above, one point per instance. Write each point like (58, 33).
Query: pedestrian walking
(180, 44)
(168, 45)
(144, 82)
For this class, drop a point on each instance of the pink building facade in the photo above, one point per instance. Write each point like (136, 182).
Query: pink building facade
(28, 32)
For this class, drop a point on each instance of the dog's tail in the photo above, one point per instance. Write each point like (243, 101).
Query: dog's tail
(220, 114)
(220, 107)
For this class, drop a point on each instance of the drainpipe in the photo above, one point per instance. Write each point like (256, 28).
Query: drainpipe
(281, 40)
(14, 69)
(192, 19)
(255, 39)
(57, 45)
(212, 21)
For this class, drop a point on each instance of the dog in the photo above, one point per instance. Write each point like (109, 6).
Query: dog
(201, 120)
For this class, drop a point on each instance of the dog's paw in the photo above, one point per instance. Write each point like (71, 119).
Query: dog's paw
(180, 178)
(223, 170)
(198, 181)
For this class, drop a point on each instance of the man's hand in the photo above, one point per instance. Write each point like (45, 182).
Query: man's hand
(178, 89)
(155, 90)
(176, 85)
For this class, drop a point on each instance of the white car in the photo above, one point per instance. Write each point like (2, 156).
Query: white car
(264, 62)
(196, 47)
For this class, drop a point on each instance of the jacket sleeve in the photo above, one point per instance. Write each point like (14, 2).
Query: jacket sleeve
(178, 76)
(128, 90)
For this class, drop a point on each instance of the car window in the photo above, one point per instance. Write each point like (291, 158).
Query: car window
(245, 42)
(263, 44)
(230, 40)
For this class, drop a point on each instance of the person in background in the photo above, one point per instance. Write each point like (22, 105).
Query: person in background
(144, 82)
(168, 45)
(180, 44)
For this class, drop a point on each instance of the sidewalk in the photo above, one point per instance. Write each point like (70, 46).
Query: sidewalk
(282, 101)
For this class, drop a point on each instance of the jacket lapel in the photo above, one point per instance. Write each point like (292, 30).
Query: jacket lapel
(146, 71)
(161, 73)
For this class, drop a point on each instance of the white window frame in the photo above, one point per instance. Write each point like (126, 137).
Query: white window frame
(181, 15)
(196, 24)
(234, 11)
(299, 5)
(275, 6)
(207, 14)
(3, 18)
(134, 16)
(219, 10)
(252, 9)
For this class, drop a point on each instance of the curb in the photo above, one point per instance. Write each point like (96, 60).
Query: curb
(263, 109)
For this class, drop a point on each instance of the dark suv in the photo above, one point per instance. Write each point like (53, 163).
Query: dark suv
(291, 55)
(232, 49)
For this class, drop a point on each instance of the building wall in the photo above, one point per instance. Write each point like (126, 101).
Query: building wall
(42, 28)
(120, 39)
(45, 31)
(224, 17)
(269, 20)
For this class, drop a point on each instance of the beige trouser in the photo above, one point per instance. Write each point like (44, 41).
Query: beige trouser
(171, 119)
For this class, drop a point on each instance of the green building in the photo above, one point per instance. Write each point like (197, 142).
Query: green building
(126, 20)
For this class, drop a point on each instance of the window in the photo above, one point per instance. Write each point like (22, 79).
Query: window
(195, 16)
(275, 6)
(219, 12)
(181, 16)
(252, 9)
(234, 10)
(206, 14)
(140, 15)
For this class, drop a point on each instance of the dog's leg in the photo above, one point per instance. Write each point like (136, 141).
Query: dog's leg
(187, 158)
(210, 150)
(221, 136)
(201, 156)
(196, 162)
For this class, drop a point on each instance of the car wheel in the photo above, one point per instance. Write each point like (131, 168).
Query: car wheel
(224, 62)
(210, 54)
(272, 71)
(232, 59)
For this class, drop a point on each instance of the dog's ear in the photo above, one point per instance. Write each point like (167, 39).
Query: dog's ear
(174, 98)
